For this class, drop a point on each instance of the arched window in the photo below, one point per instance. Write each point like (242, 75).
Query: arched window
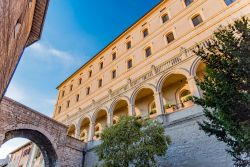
(114, 56)
(100, 83)
(113, 74)
(197, 19)
(101, 65)
(188, 2)
(80, 81)
(164, 18)
(170, 37)
(90, 73)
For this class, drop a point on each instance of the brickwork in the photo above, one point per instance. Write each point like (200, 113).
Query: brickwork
(50, 136)
(21, 23)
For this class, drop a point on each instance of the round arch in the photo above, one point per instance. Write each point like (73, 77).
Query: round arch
(42, 141)
(195, 66)
(84, 126)
(99, 110)
(172, 72)
(137, 90)
(114, 103)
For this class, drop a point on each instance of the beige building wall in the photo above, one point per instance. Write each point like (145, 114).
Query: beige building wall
(161, 77)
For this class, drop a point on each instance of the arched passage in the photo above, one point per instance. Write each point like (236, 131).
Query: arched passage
(200, 71)
(72, 130)
(175, 92)
(84, 129)
(142, 100)
(101, 123)
(44, 144)
(120, 109)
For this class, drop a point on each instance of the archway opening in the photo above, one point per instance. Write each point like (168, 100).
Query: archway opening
(176, 93)
(45, 149)
(100, 123)
(72, 131)
(143, 99)
(120, 109)
(84, 129)
(21, 152)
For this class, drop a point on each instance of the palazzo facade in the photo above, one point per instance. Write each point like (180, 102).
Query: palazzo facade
(149, 71)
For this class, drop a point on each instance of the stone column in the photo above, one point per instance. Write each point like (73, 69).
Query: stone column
(131, 110)
(159, 103)
(91, 131)
(77, 135)
(110, 118)
(193, 87)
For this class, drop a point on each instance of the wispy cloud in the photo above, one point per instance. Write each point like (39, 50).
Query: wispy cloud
(45, 51)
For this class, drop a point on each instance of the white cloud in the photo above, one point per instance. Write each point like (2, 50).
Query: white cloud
(45, 51)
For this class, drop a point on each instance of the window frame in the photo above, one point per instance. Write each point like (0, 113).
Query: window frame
(112, 74)
(90, 73)
(146, 51)
(101, 65)
(87, 90)
(143, 32)
(186, 5)
(166, 37)
(100, 83)
(129, 64)
(128, 44)
(77, 97)
(114, 56)
(194, 16)
(165, 14)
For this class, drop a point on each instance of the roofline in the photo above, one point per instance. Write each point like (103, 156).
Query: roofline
(41, 28)
(19, 148)
(113, 41)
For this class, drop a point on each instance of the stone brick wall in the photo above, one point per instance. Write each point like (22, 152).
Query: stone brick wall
(190, 147)
(50, 136)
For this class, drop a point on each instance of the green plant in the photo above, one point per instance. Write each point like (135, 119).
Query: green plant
(132, 142)
(226, 88)
(187, 98)
(167, 106)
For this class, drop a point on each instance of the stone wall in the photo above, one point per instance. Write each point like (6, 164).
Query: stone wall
(57, 148)
(190, 146)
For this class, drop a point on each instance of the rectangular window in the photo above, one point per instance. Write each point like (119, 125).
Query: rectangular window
(59, 109)
(130, 63)
(71, 87)
(170, 37)
(77, 97)
(101, 65)
(164, 18)
(148, 52)
(128, 44)
(197, 20)
(68, 102)
(145, 33)
(63, 93)
(100, 83)
(114, 56)
(80, 81)
(113, 74)
(90, 73)
(87, 90)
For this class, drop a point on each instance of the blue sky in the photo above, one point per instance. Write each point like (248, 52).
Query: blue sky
(74, 31)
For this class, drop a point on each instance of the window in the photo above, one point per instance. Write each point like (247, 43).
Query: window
(90, 73)
(80, 81)
(68, 102)
(128, 44)
(100, 83)
(197, 20)
(114, 56)
(71, 87)
(77, 97)
(188, 2)
(170, 37)
(164, 18)
(148, 51)
(101, 65)
(113, 74)
(59, 109)
(87, 90)
(130, 63)
(63, 93)
(145, 32)
(228, 2)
